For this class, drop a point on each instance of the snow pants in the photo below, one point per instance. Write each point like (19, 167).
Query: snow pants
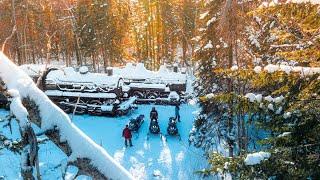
(178, 117)
(126, 142)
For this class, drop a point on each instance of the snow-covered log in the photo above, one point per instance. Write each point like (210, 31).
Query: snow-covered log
(90, 158)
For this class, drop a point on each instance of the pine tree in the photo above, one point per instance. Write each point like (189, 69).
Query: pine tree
(280, 101)
(207, 57)
(293, 124)
(223, 116)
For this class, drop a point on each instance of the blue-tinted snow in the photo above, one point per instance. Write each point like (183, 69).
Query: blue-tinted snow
(147, 159)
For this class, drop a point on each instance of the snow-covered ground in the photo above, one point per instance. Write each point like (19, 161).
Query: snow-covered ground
(147, 159)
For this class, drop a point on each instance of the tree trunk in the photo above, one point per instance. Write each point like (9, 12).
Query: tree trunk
(230, 117)
(76, 48)
(184, 50)
(16, 45)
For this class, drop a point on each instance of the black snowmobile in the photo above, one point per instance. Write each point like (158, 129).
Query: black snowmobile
(172, 129)
(154, 128)
(136, 123)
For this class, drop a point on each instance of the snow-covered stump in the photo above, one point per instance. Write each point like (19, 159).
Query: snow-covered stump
(29, 156)
(90, 158)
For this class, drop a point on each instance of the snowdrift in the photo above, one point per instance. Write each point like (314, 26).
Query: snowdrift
(69, 75)
(140, 72)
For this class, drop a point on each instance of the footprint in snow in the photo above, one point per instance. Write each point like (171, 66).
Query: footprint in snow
(157, 173)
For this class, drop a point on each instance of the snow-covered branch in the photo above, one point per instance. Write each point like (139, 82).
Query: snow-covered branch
(89, 157)
(271, 68)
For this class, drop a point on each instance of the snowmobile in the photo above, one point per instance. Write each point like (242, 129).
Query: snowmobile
(154, 128)
(136, 123)
(172, 129)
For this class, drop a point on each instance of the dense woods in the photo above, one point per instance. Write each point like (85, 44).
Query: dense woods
(99, 32)
(262, 92)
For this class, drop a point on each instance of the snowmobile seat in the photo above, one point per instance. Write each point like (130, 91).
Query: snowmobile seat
(135, 124)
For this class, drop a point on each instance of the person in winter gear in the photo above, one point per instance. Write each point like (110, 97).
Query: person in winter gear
(177, 108)
(154, 114)
(126, 133)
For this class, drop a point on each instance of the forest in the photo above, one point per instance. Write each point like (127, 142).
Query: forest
(251, 69)
(102, 32)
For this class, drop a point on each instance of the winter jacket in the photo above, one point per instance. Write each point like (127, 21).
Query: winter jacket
(126, 133)
(154, 114)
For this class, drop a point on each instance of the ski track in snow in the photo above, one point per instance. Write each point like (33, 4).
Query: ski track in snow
(148, 159)
(155, 158)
